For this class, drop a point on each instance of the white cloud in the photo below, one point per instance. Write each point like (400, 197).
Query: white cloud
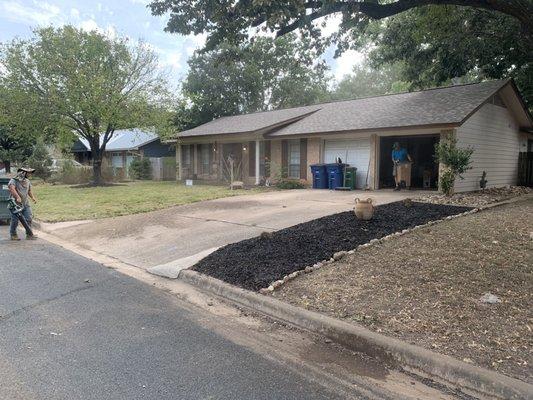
(89, 25)
(40, 12)
(171, 59)
(74, 13)
(345, 63)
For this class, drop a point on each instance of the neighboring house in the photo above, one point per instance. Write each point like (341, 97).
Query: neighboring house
(491, 117)
(123, 147)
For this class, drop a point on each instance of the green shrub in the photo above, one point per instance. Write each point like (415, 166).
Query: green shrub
(41, 161)
(70, 174)
(287, 183)
(456, 162)
(140, 168)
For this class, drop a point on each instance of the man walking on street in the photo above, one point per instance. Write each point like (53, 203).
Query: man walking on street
(20, 189)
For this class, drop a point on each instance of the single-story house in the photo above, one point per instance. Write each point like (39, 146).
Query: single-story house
(124, 146)
(491, 117)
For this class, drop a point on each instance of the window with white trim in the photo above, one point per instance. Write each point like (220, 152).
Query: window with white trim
(294, 159)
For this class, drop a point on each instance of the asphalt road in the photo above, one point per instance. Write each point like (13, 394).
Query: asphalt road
(72, 329)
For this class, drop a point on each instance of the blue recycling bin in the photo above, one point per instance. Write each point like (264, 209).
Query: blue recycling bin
(335, 173)
(320, 177)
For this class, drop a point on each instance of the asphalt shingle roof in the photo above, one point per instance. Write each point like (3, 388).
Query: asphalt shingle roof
(446, 105)
(249, 122)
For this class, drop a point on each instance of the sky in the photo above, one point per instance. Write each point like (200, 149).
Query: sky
(129, 18)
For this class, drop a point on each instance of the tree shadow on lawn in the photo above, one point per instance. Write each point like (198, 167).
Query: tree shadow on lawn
(255, 263)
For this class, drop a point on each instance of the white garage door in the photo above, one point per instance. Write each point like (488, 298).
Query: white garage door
(355, 152)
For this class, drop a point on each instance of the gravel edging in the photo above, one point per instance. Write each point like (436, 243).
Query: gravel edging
(413, 358)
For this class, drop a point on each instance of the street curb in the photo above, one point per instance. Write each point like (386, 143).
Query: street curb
(355, 337)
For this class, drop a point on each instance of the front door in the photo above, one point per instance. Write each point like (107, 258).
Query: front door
(232, 161)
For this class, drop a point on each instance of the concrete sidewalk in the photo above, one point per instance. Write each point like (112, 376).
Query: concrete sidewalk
(171, 235)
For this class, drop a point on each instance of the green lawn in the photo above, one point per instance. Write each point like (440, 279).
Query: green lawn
(65, 203)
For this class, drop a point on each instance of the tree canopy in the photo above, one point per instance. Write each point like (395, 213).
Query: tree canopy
(86, 83)
(232, 20)
(262, 75)
(437, 44)
(366, 81)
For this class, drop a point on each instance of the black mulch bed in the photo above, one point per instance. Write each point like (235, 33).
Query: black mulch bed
(255, 263)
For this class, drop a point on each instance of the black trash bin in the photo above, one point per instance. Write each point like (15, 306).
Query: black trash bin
(4, 198)
(320, 177)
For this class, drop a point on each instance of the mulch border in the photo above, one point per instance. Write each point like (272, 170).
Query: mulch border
(341, 254)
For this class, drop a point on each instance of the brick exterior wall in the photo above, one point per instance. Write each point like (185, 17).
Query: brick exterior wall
(313, 155)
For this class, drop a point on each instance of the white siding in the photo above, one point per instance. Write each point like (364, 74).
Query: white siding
(494, 136)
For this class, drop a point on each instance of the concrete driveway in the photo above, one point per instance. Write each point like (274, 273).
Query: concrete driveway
(181, 235)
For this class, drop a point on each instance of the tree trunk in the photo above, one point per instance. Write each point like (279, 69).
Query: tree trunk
(97, 171)
(7, 166)
(97, 155)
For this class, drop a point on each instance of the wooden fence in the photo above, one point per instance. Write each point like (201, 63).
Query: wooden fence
(525, 169)
(163, 168)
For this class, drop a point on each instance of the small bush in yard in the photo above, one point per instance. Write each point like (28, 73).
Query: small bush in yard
(70, 174)
(287, 183)
(140, 168)
(456, 162)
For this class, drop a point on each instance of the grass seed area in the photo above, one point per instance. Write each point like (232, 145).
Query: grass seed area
(58, 203)
(425, 287)
(257, 262)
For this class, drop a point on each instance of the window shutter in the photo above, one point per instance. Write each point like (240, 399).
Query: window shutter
(251, 158)
(284, 158)
(303, 158)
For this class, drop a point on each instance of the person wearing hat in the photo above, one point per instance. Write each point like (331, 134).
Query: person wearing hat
(401, 166)
(20, 190)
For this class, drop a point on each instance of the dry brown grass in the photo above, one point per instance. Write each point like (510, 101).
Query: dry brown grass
(425, 287)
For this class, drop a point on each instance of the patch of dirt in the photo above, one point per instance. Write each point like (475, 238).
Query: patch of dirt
(92, 185)
(478, 198)
(255, 263)
(425, 288)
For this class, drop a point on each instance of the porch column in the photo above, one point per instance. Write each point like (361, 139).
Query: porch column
(257, 163)
(178, 163)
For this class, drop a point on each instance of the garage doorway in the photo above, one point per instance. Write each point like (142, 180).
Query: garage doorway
(354, 152)
(421, 148)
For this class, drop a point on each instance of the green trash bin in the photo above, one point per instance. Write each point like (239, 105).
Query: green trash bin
(350, 177)
(4, 198)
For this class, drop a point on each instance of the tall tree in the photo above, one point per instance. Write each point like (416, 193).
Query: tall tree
(261, 75)
(231, 20)
(437, 44)
(367, 81)
(90, 83)
(18, 130)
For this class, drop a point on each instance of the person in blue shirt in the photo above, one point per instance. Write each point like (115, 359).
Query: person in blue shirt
(399, 156)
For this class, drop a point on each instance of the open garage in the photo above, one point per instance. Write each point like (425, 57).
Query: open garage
(424, 167)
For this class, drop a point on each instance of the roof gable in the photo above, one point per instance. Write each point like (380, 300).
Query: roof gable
(441, 106)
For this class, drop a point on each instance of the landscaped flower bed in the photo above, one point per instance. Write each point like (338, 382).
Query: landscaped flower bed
(257, 262)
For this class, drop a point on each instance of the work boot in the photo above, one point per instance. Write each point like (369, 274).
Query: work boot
(15, 237)
(31, 237)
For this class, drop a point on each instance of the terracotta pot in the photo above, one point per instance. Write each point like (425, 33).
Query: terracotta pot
(364, 209)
